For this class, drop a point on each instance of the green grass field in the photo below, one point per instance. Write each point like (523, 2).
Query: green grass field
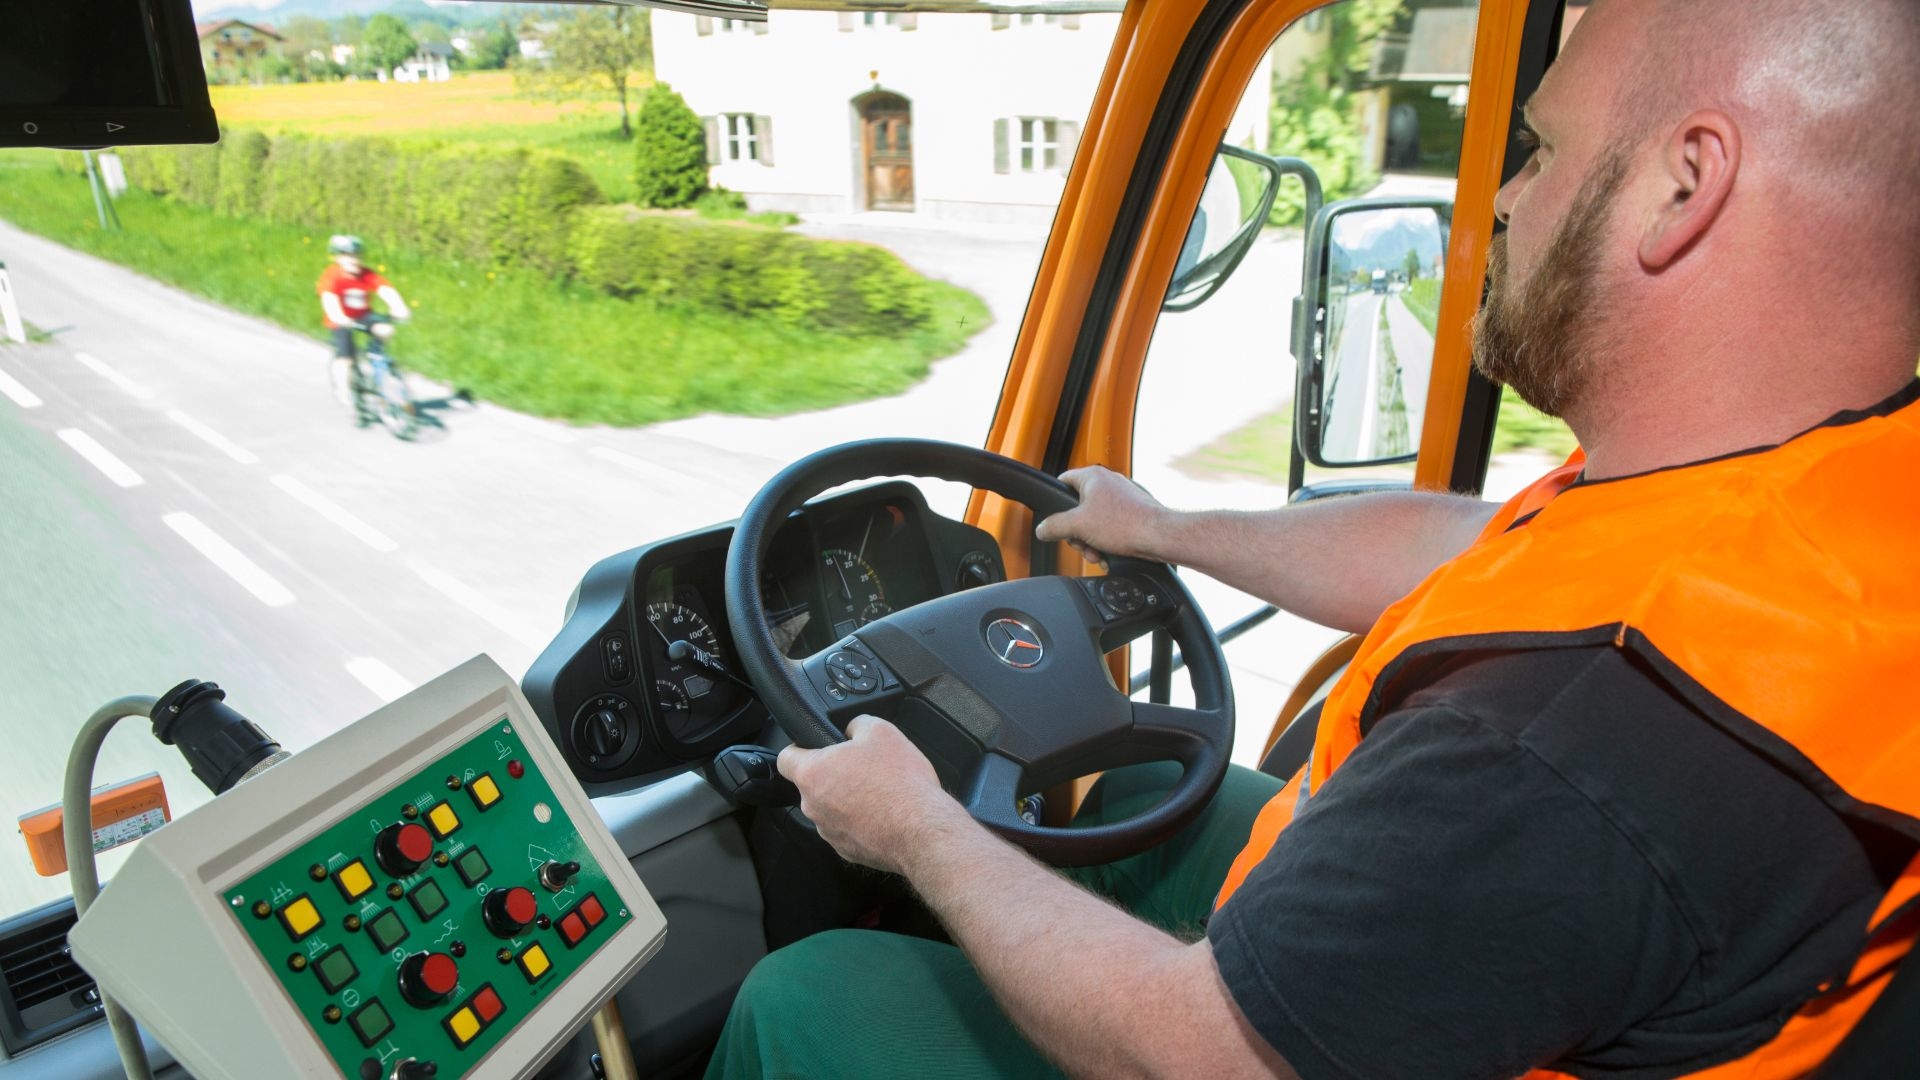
(513, 337)
(476, 107)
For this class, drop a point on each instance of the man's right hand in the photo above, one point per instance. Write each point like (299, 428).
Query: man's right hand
(1115, 516)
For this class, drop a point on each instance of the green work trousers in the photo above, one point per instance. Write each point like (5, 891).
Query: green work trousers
(862, 1003)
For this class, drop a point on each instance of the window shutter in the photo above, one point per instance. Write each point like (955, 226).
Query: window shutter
(1000, 145)
(1069, 142)
(909, 20)
(702, 25)
(846, 22)
(763, 135)
(1001, 21)
(713, 139)
(1069, 22)
(760, 27)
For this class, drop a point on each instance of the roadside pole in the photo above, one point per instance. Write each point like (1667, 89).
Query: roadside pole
(10, 310)
(102, 205)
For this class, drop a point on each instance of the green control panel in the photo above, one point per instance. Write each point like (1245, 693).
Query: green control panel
(422, 927)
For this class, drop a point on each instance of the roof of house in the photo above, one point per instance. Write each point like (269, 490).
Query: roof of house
(207, 29)
(435, 48)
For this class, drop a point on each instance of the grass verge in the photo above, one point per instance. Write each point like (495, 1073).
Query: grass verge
(1256, 450)
(513, 337)
(1522, 427)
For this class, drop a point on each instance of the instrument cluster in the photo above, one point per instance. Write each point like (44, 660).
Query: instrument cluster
(642, 679)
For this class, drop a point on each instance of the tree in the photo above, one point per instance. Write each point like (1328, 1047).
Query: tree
(670, 154)
(1313, 110)
(596, 52)
(387, 44)
(304, 36)
(492, 49)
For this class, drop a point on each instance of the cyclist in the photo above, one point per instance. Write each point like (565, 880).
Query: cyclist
(346, 289)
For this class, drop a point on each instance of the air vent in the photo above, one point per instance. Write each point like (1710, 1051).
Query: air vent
(43, 993)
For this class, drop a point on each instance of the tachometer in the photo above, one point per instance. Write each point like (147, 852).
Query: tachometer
(855, 591)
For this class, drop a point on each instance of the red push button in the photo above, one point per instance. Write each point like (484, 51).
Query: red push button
(401, 849)
(572, 929)
(427, 978)
(591, 911)
(486, 1005)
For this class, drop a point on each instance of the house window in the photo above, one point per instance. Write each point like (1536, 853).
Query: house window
(1031, 19)
(737, 136)
(1038, 147)
(734, 26)
(879, 18)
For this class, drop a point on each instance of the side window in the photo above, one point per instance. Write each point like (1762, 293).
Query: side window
(1372, 95)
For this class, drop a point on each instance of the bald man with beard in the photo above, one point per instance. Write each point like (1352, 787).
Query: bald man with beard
(1548, 852)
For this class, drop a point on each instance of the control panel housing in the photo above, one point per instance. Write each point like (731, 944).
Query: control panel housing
(427, 885)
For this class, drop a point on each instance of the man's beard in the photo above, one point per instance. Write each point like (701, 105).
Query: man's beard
(1541, 343)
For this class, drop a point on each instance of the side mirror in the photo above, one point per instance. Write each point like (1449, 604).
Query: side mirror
(1364, 329)
(1233, 207)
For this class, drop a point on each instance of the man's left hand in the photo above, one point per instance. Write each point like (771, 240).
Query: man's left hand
(875, 797)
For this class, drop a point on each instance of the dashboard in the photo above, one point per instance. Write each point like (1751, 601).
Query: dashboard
(641, 681)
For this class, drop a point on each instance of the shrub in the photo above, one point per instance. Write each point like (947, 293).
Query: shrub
(670, 151)
(844, 287)
(243, 159)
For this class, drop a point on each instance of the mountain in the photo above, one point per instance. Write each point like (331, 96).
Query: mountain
(280, 11)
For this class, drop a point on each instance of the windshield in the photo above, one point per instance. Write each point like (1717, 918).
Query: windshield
(472, 296)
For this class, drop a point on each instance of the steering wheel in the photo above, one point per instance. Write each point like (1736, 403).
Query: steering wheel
(1004, 687)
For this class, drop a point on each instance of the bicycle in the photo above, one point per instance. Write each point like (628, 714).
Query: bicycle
(379, 387)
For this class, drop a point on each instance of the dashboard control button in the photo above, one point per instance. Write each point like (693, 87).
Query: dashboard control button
(427, 978)
(354, 881)
(335, 969)
(592, 911)
(509, 911)
(487, 1005)
(572, 929)
(299, 917)
(617, 655)
(555, 875)
(484, 791)
(463, 1026)
(443, 819)
(401, 849)
(386, 930)
(427, 899)
(977, 568)
(472, 866)
(534, 963)
(1123, 595)
(371, 1023)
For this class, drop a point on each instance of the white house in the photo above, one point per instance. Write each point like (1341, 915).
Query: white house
(955, 116)
(430, 64)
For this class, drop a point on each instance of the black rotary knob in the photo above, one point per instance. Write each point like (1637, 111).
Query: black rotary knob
(403, 848)
(426, 979)
(509, 911)
(414, 1069)
(605, 732)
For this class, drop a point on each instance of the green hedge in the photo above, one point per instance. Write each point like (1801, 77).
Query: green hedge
(743, 270)
(508, 206)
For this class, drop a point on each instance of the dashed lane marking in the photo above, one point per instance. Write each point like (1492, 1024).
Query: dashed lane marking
(213, 438)
(98, 368)
(473, 600)
(335, 513)
(230, 559)
(385, 682)
(100, 457)
(21, 396)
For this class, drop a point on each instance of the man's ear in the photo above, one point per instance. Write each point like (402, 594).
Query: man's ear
(1699, 165)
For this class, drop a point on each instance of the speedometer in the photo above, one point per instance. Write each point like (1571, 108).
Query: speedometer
(856, 594)
(676, 623)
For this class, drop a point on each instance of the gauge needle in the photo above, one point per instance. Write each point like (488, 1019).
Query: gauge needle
(864, 537)
(845, 589)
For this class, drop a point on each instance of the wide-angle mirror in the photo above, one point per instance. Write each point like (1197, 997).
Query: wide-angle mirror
(1374, 273)
(1235, 203)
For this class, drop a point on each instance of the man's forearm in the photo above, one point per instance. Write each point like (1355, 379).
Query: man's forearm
(1339, 562)
(1096, 990)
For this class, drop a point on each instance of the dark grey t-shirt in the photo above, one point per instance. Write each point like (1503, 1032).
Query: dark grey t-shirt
(1546, 857)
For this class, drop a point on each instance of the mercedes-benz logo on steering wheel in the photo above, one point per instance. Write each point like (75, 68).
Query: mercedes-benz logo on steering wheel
(1015, 643)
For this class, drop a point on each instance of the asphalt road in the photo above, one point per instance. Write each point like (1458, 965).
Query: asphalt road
(1365, 414)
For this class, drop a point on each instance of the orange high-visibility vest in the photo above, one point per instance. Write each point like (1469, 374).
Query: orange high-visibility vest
(1777, 591)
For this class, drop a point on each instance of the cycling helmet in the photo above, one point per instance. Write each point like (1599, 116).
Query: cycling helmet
(345, 245)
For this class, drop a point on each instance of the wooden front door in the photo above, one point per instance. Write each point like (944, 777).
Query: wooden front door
(886, 148)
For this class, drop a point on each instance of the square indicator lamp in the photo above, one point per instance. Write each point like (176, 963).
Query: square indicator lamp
(386, 930)
(443, 820)
(299, 917)
(354, 881)
(427, 900)
(534, 963)
(484, 791)
(371, 1023)
(472, 866)
(335, 969)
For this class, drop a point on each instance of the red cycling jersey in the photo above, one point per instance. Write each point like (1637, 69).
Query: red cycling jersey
(354, 290)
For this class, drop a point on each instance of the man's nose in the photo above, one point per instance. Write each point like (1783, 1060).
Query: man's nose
(1509, 192)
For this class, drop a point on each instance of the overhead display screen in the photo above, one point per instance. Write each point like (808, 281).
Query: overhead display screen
(101, 72)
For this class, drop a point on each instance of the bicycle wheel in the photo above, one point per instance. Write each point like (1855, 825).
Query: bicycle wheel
(395, 407)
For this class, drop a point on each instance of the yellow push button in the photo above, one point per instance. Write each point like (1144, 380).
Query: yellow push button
(463, 1026)
(484, 791)
(300, 918)
(443, 820)
(354, 881)
(534, 962)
